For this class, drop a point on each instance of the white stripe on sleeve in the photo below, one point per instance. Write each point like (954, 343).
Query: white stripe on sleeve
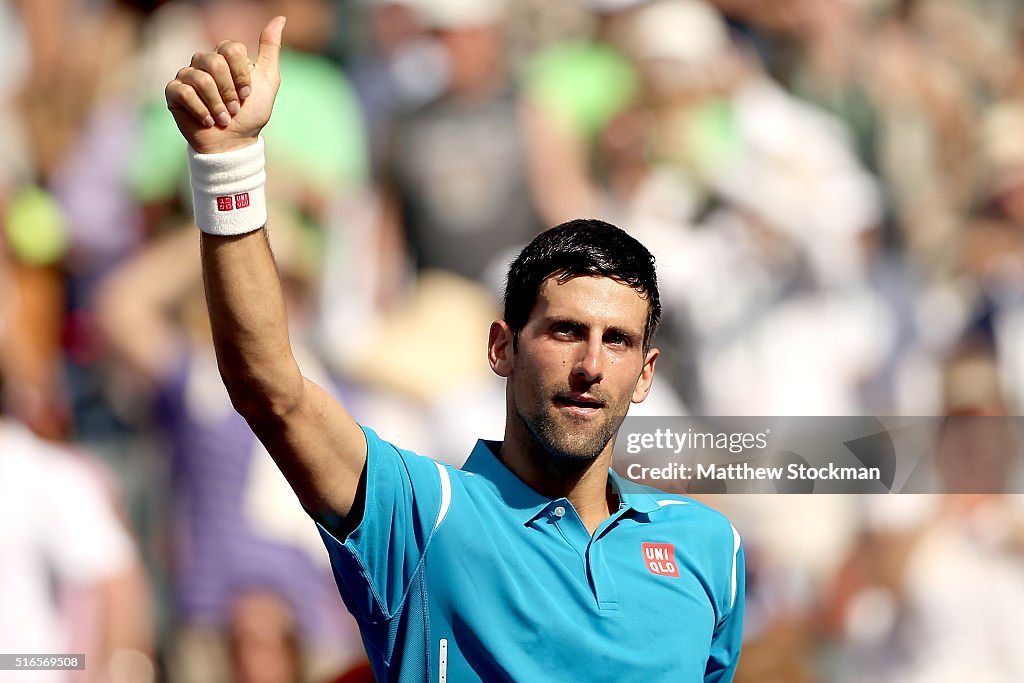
(446, 494)
(735, 555)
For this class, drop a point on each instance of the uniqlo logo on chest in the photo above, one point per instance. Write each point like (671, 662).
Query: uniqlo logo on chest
(242, 200)
(225, 204)
(660, 559)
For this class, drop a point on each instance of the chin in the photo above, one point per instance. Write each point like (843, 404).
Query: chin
(572, 453)
(572, 442)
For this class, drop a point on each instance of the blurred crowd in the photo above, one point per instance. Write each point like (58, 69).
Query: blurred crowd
(833, 189)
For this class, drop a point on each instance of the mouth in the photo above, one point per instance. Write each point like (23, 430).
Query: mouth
(579, 404)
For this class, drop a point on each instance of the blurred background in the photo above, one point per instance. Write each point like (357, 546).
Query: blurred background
(834, 191)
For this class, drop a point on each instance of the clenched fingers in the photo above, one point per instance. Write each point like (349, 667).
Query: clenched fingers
(184, 97)
(215, 65)
(208, 89)
(237, 59)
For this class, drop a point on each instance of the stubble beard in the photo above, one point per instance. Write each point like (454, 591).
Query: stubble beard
(574, 440)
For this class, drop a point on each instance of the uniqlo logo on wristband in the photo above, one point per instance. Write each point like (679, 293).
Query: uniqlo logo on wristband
(225, 203)
(242, 200)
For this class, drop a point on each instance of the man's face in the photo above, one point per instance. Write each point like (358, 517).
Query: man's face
(580, 362)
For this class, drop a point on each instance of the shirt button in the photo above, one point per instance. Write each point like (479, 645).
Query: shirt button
(559, 511)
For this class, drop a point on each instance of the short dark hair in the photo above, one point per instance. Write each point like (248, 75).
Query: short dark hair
(577, 248)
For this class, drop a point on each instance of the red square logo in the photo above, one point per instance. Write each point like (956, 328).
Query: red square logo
(242, 200)
(660, 559)
(224, 204)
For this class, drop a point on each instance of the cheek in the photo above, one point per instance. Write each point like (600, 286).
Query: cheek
(629, 377)
(535, 377)
(545, 363)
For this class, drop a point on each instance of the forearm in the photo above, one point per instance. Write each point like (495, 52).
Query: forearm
(318, 446)
(249, 323)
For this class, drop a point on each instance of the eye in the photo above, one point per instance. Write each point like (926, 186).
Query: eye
(565, 329)
(616, 339)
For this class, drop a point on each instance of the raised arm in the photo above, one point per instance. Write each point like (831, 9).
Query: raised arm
(221, 103)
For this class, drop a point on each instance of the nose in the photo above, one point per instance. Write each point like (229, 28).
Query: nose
(590, 366)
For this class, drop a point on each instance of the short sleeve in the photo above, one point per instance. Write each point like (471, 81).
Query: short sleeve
(375, 564)
(728, 635)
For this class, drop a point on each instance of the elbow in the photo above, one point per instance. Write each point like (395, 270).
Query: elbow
(258, 400)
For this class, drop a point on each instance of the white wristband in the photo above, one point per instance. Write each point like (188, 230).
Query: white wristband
(227, 190)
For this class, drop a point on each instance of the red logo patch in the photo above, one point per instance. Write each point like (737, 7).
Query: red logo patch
(660, 559)
(242, 200)
(224, 204)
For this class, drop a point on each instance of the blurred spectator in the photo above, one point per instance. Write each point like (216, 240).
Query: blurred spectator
(264, 642)
(925, 141)
(152, 312)
(403, 67)
(70, 577)
(457, 180)
(575, 90)
(37, 123)
(931, 589)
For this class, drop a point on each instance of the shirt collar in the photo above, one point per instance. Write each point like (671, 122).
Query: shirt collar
(633, 495)
(526, 503)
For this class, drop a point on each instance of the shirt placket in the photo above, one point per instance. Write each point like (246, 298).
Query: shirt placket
(591, 550)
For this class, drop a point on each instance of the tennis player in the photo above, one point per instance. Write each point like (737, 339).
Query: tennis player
(535, 561)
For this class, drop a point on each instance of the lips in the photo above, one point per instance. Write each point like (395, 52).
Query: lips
(581, 403)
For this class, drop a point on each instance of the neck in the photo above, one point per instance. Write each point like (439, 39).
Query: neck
(584, 483)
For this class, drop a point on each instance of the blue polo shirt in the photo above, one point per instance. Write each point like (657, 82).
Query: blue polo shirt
(463, 575)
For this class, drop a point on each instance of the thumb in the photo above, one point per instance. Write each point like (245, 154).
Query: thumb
(270, 43)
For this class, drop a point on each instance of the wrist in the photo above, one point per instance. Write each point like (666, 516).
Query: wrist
(223, 146)
(228, 189)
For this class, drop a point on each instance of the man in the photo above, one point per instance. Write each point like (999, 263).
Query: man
(535, 562)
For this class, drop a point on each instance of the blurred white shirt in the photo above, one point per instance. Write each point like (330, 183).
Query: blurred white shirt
(57, 527)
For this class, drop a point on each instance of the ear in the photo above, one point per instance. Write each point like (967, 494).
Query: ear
(499, 348)
(646, 379)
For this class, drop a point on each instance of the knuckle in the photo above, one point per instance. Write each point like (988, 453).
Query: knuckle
(172, 91)
(183, 73)
(206, 61)
(231, 48)
(201, 79)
